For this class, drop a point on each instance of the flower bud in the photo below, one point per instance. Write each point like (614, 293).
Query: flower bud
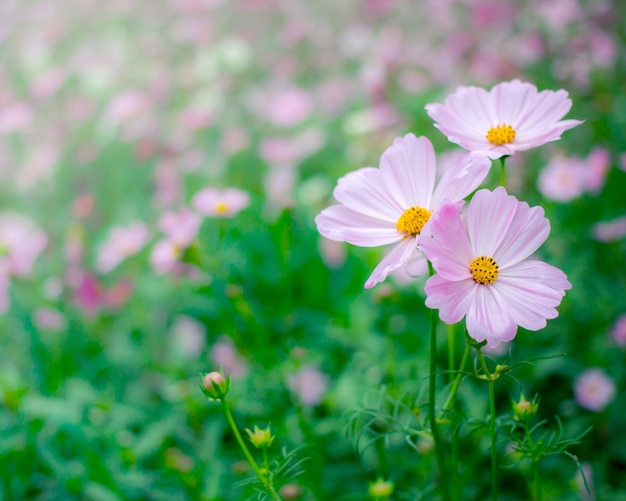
(261, 439)
(524, 410)
(381, 489)
(290, 492)
(214, 385)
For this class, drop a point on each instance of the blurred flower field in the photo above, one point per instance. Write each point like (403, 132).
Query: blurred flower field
(163, 164)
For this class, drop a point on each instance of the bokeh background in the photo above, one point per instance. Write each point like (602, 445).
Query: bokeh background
(114, 115)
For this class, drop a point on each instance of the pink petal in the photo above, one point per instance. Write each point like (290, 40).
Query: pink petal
(408, 170)
(489, 217)
(532, 290)
(527, 231)
(451, 298)
(467, 173)
(342, 224)
(488, 318)
(512, 100)
(445, 244)
(364, 191)
(396, 257)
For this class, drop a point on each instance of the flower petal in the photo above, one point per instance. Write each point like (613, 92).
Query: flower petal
(451, 298)
(532, 290)
(527, 231)
(463, 177)
(342, 224)
(489, 217)
(445, 244)
(363, 191)
(408, 170)
(488, 318)
(396, 257)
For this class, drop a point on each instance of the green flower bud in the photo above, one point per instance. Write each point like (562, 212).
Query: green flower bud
(524, 410)
(381, 489)
(261, 439)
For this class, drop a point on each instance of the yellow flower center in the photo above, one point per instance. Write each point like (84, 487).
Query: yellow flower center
(484, 270)
(413, 220)
(502, 134)
(221, 207)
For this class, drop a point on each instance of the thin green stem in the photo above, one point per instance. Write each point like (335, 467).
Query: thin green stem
(432, 396)
(494, 456)
(536, 472)
(537, 477)
(503, 170)
(491, 380)
(451, 346)
(263, 477)
(457, 380)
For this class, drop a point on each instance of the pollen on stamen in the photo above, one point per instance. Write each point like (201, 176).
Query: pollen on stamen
(484, 270)
(221, 208)
(413, 220)
(502, 134)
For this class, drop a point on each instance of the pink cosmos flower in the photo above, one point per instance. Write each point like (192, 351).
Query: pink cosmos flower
(121, 243)
(563, 179)
(309, 384)
(483, 273)
(21, 243)
(610, 231)
(618, 332)
(180, 227)
(392, 204)
(512, 116)
(594, 390)
(224, 354)
(218, 203)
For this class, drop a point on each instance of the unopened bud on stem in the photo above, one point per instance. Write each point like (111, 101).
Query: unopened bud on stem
(214, 385)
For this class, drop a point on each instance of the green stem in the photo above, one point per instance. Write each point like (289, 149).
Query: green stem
(503, 170)
(263, 478)
(457, 380)
(491, 380)
(537, 476)
(536, 472)
(451, 343)
(432, 395)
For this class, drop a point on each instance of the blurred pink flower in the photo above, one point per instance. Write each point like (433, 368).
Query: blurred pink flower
(594, 390)
(89, 294)
(225, 356)
(220, 203)
(121, 243)
(181, 227)
(167, 180)
(14, 117)
(333, 253)
(609, 231)
(563, 179)
(567, 178)
(512, 116)
(48, 83)
(234, 139)
(189, 334)
(164, 257)
(392, 204)
(125, 105)
(597, 165)
(618, 332)
(309, 384)
(483, 270)
(194, 118)
(49, 319)
(21, 243)
(286, 107)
